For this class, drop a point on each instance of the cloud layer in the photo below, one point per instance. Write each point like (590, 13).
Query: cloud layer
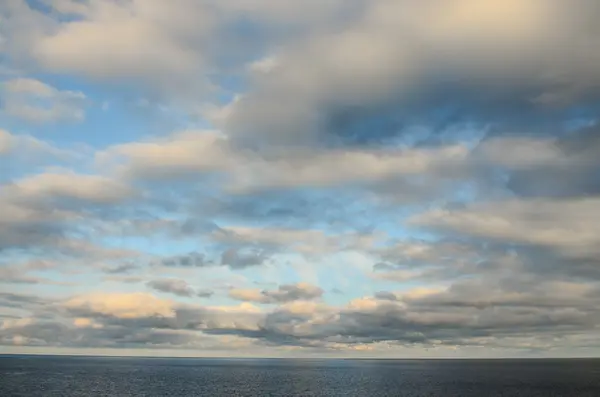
(260, 177)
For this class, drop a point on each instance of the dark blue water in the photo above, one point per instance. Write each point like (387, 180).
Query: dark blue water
(31, 376)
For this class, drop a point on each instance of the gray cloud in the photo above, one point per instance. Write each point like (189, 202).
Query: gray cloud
(191, 260)
(490, 310)
(242, 258)
(121, 269)
(205, 293)
(235, 258)
(386, 295)
(9, 299)
(285, 293)
(479, 116)
(548, 224)
(43, 210)
(438, 318)
(172, 286)
(572, 171)
(514, 59)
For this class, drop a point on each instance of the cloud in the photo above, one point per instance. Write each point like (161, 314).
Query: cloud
(121, 269)
(562, 167)
(34, 101)
(193, 153)
(235, 258)
(284, 294)
(172, 286)
(131, 40)
(21, 27)
(402, 175)
(26, 145)
(436, 317)
(188, 152)
(24, 301)
(124, 306)
(308, 242)
(398, 275)
(242, 258)
(416, 58)
(345, 167)
(69, 185)
(85, 323)
(43, 207)
(12, 273)
(463, 315)
(191, 260)
(168, 50)
(566, 226)
(124, 320)
(205, 293)
(434, 164)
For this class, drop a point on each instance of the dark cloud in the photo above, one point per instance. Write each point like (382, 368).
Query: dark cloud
(193, 259)
(236, 258)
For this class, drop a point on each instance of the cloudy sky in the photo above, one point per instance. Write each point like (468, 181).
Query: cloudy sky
(362, 178)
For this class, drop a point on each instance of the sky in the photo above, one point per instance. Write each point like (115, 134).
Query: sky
(283, 178)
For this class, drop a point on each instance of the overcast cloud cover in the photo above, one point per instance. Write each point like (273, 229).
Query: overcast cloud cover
(381, 178)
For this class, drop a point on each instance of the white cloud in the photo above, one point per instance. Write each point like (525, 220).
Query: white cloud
(249, 295)
(128, 40)
(10, 143)
(168, 49)
(122, 305)
(35, 101)
(190, 152)
(22, 150)
(68, 185)
(83, 322)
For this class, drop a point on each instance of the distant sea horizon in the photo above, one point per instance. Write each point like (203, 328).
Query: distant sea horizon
(41, 375)
(441, 358)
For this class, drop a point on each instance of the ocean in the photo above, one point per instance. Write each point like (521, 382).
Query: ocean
(32, 376)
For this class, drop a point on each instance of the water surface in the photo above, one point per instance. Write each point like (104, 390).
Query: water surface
(32, 376)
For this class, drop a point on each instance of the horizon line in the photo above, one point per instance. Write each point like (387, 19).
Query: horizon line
(322, 358)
